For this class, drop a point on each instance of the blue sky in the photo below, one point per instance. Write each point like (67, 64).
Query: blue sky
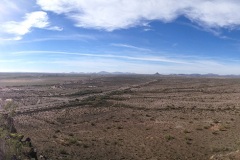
(198, 36)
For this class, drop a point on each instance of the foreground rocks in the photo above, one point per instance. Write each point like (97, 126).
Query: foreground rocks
(12, 145)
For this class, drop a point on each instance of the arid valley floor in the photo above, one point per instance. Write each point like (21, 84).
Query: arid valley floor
(113, 117)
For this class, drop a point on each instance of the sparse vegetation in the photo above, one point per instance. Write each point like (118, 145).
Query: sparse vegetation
(169, 137)
(186, 131)
(63, 151)
(223, 128)
(9, 138)
(131, 118)
(199, 128)
(223, 149)
(85, 92)
(215, 132)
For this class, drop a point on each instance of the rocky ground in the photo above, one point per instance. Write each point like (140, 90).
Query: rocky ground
(131, 117)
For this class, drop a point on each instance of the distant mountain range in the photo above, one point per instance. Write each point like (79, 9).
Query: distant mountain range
(116, 73)
(30, 74)
(158, 74)
(198, 75)
(103, 73)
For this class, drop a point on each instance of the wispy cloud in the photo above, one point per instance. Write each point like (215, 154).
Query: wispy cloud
(75, 37)
(96, 64)
(215, 31)
(55, 28)
(102, 14)
(148, 29)
(9, 60)
(129, 46)
(11, 39)
(174, 44)
(59, 61)
(137, 58)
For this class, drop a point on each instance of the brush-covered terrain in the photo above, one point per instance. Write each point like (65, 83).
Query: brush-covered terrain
(77, 117)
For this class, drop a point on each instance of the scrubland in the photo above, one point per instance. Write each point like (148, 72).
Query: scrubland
(128, 116)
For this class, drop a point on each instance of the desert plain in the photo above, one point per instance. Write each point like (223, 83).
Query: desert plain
(113, 117)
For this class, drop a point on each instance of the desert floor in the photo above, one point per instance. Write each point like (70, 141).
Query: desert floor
(81, 117)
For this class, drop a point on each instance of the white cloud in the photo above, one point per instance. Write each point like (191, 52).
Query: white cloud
(35, 19)
(118, 14)
(38, 19)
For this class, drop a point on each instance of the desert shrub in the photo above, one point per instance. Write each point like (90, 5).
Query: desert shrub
(188, 139)
(207, 127)
(10, 140)
(199, 128)
(10, 108)
(71, 134)
(85, 92)
(10, 144)
(224, 127)
(85, 146)
(57, 131)
(119, 92)
(95, 100)
(61, 120)
(223, 149)
(63, 151)
(186, 131)
(119, 127)
(71, 141)
(169, 137)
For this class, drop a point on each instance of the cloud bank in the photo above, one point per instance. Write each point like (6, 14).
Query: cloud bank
(121, 14)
